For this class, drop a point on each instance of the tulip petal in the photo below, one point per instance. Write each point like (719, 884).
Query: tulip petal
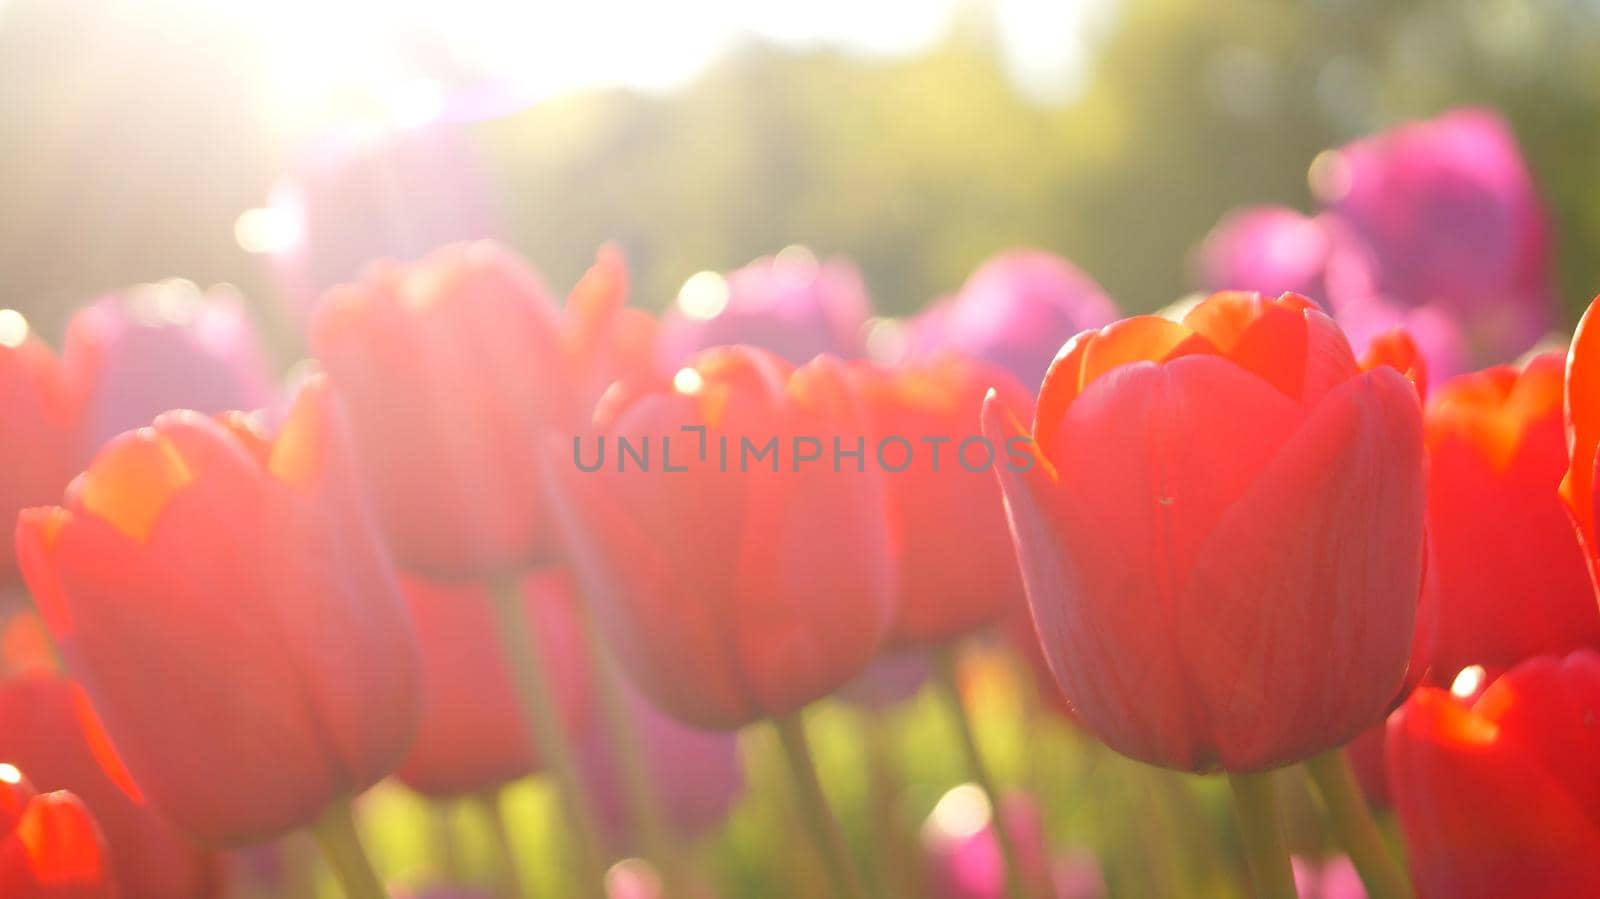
(1302, 606)
(1583, 431)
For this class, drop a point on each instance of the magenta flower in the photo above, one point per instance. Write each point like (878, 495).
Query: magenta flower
(140, 352)
(1331, 878)
(1450, 215)
(1268, 249)
(963, 856)
(1015, 311)
(1435, 330)
(789, 304)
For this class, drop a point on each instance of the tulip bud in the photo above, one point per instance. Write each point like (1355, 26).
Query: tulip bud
(49, 729)
(138, 353)
(790, 304)
(468, 738)
(1512, 579)
(453, 372)
(1222, 533)
(1498, 796)
(745, 571)
(229, 609)
(50, 846)
(957, 569)
(1450, 218)
(1015, 311)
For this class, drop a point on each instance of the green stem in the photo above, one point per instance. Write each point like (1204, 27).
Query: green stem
(549, 736)
(341, 845)
(507, 880)
(639, 787)
(446, 847)
(1354, 827)
(899, 873)
(950, 692)
(1264, 849)
(814, 809)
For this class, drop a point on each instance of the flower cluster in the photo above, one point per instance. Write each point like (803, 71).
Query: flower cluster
(1227, 539)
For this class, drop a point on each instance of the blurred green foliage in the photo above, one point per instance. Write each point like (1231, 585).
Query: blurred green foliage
(920, 168)
(917, 167)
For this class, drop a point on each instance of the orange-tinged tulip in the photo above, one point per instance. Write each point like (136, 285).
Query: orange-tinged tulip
(49, 729)
(1222, 532)
(50, 846)
(1500, 796)
(738, 589)
(228, 606)
(38, 426)
(469, 738)
(958, 571)
(1582, 406)
(1512, 579)
(452, 368)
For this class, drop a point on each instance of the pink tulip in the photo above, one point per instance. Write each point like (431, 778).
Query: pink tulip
(1269, 249)
(1015, 311)
(789, 304)
(137, 353)
(1450, 215)
(964, 860)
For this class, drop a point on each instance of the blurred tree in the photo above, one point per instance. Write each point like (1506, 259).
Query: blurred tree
(125, 160)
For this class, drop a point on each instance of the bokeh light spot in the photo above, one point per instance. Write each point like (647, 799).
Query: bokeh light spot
(703, 296)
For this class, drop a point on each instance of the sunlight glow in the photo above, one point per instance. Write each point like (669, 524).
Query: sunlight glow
(703, 296)
(961, 812)
(688, 382)
(13, 328)
(9, 774)
(376, 60)
(268, 229)
(1468, 681)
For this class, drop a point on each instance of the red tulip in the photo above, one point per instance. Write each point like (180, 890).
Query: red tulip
(468, 735)
(228, 607)
(452, 369)
(1221, 532)
(48, 728)
(38, 426)
(1511, 574)
(1582, 406)
(604, 339)
(734, 594)
(50, 847)
(958, 571)
(1501, 797)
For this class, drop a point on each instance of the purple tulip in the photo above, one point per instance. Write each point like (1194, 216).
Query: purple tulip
(362, 195)
(891, 679)
(789, 304)
(1015, 311)
(148, 349)
(964, 860)
(1271, 249)
(1333, 878)
(1435, 330)
(1449, 214)
(698, 774)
